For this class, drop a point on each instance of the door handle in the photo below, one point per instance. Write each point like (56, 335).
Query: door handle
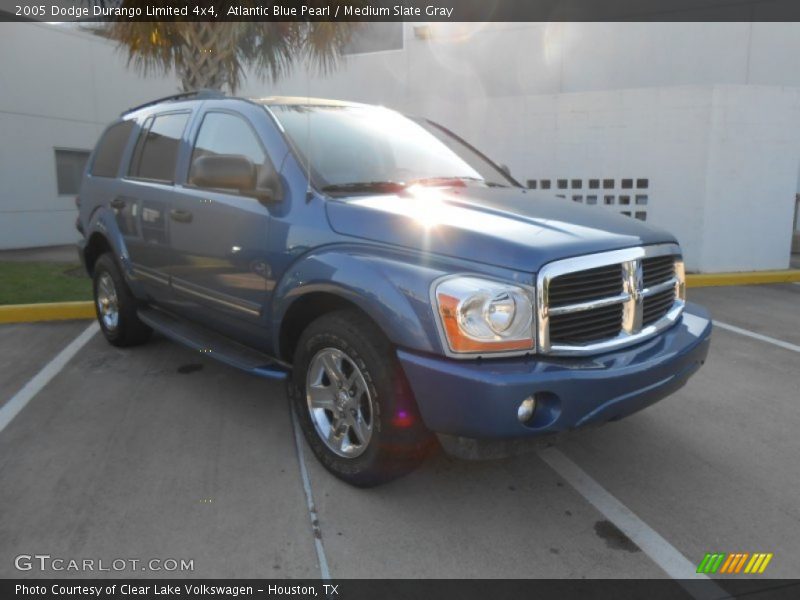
(182, 216)
(118, 203)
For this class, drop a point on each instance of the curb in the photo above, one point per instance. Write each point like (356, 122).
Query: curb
(54, 311)
(742, 278)
(61, 311)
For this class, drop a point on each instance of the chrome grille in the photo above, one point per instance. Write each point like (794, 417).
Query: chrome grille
(586, 285)
(586, 326)
(657, 270)
(601, 301)
(656, 306)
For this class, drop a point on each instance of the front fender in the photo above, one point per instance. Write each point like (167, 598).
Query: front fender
(389, 287)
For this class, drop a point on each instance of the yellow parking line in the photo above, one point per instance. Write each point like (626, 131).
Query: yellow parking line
(58, 311)
(743, 278)
(52, 311)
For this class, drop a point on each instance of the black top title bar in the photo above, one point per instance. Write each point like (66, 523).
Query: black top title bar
(401, 10)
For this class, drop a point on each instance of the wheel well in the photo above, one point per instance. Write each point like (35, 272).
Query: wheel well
(303, 311)
(96, 246)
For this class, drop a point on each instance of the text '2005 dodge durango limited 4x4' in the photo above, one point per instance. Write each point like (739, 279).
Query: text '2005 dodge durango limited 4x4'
(401, 282)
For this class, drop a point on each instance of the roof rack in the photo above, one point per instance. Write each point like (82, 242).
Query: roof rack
(195, 94)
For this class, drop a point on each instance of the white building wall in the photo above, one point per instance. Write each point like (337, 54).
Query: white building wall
(59, 88)
(707, 112)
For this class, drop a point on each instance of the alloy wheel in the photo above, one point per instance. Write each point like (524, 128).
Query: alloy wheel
(339, 402)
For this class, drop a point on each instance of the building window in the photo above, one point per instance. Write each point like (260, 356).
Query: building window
(375, 37)
(69, 170)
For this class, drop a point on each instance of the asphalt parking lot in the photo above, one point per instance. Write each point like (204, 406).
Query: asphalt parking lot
(158, 452)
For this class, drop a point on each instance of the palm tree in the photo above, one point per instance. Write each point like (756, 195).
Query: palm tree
(215, 55)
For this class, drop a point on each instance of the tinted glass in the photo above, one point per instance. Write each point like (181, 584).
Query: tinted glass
(110, 149)
(157, 152)
(359, 144)
(69, 170)
(222, 133)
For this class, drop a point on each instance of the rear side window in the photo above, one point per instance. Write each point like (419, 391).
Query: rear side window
(156, 152)
(110, 149)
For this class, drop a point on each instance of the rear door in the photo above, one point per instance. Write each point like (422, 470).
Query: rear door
(144, 205)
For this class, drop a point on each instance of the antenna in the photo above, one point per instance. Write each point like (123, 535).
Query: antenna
(309, 191)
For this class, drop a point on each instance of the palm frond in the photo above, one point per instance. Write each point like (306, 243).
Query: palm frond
(214, 55)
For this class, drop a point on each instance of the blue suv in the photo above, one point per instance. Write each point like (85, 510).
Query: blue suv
(406, 287)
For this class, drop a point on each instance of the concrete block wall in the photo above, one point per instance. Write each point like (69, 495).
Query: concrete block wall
(707, 112)
(59, 88)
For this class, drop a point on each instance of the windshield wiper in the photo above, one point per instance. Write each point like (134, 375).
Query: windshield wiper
(390, 186)
(454, 180)
(443, 180)
(365, 186)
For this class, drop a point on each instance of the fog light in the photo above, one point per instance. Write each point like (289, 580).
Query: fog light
(526, 409)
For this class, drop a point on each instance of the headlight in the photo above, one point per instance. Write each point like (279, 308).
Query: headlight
(481, 315)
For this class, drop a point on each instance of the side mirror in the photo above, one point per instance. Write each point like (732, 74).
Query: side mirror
(225, 172)
(269, 188)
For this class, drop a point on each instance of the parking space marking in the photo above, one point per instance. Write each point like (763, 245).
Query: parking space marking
(757, 336)
(664, 554)
(12, 408)
(312, 507)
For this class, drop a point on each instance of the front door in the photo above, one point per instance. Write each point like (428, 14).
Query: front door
(219, 238)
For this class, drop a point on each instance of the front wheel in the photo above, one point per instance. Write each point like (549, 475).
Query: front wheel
(353, 402)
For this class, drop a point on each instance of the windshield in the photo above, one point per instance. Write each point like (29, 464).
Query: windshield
(353, 148)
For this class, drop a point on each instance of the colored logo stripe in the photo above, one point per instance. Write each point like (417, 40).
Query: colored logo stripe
(758, 563)
(710, 563)
(734, 562)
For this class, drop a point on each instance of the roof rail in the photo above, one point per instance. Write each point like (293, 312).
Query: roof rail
(196, 94)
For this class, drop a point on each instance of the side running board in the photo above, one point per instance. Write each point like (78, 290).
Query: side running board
(213, 344)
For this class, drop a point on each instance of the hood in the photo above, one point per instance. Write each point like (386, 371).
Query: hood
(512, 228)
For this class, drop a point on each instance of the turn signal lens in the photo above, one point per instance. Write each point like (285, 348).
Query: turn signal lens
(480, 315)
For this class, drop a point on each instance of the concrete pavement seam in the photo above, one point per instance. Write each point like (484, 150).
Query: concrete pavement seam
(312, 508)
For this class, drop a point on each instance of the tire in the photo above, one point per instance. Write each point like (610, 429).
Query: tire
(380, 400)
(115, 305)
